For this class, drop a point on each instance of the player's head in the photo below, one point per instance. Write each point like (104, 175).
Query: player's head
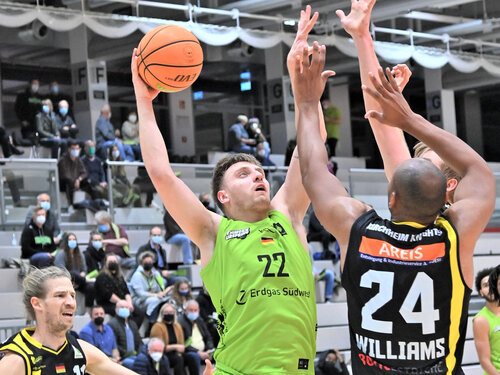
(49, 297)
(483, 284)
(239, 182)
(421, 150)
(494, 281)
(417, 191)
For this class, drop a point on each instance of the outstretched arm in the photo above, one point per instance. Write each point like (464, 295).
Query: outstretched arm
(390, 141)
(199, 224)
(99, 364)
(332, 205)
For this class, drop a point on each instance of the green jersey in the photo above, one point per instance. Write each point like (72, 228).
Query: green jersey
(260, 281)
(493, 335)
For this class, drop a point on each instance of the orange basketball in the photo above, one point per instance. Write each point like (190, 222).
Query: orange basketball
(170, 58)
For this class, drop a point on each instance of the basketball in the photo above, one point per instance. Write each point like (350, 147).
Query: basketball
(170, 58)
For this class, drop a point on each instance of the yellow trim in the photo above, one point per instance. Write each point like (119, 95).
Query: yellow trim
(457, 296)
(17, 350)
(410, 223)
(38, 345)
(20, 342)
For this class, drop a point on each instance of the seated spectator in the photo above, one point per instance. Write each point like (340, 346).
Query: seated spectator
(316, 232)
(238, 138)
(72, 172)
(115, 239)
(37, 241)
(254, 130)
(143, 182)
(205, 200)
(7, 144)
(329, 277)
(51, 224)
(111, 288)
(128, 339)
(71, 258)
(130, 134)
(331, 363)
(95, 172)
(263, 156)
(180, 294)
(99, 334)
(124, 193)
(147, 286)
(94, 255)
(48, 131)
(167, 329)
(174, 235)
(153, 362)
(208, 314)
(28, 104)
(197, 334)
(55, 94)
(65, 123)
(105, 136)
(160, 261)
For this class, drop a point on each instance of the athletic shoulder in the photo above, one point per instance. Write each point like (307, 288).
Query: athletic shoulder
(12, 363)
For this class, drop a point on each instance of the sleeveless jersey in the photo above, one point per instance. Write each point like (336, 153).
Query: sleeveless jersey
(260, 281)
(493, 335)
(69, 359)
(406, 297)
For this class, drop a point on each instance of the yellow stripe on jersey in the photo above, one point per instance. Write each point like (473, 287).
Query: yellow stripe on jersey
(20, 342)
(457, 295)
(38, 345)
(15, 349)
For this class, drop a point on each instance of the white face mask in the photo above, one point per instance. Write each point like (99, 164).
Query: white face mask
(40, 219)
(34, 88)
(75, 153)
(115, 154)
(156, 356)
(132, 118)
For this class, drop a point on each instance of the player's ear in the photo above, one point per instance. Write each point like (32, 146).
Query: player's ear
(451, 184)
(222, 196)
(392, 200)
(36, 303)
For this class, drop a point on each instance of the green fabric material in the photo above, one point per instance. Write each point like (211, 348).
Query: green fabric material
(116, 231)
(332, 128)
(493, 335)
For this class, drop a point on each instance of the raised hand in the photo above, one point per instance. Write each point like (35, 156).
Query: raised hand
(142, 90)
(358, 20)
(208, 368)
(395, 110)
(402, 75)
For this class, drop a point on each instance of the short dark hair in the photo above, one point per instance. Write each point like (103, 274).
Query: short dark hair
(95, 307)
(480, 276)
(220, 170)
(494, 276)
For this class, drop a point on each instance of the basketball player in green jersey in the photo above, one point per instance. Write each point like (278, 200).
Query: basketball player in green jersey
(255, 263)
(48, 348)
(407, 279)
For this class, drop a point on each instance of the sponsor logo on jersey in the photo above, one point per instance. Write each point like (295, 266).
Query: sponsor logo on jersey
(238, 233)
(280, 229)
(35, 360)
(60, 369)
(78, 354)
(241, 300)
(245, 295)
(303, 364)
(420, 253)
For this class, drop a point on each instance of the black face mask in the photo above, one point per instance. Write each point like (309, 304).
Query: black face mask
(113, 266)
(332, 368)
(148, 266)
(98, 321)
(168, 318)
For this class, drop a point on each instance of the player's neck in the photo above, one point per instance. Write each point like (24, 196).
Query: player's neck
(49, 339)
(248, 216)
(493, 307)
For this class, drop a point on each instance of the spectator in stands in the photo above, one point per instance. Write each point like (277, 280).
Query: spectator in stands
(37, 241)
(130, 134)
(238, 138)
(486, 323)
(65, 123)
(111, 288)
(160, 261)
(174, 235)
(28, 104)
(124, 193)
(51, 224)
(197, 334)
(254, 129)
(105, 136)
(95, 172)
(205, 199)
(208, 314)
(8, 149)
(55, 94)
(180, 294)
(48, 131)
(94, 255)
(317, 233)
(71, 258)
(115, 239)
(263, 156)
(170, 331)
(72, 172)
(99, 334)
(126, 333)
(143, 182)
(333, 118)
(331, 363)
(154, 362)
(148, 287)
(329, 277)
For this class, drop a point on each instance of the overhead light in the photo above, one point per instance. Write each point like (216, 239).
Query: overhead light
(449, 3)
(471, 27)
(289, 22)
(433, 17)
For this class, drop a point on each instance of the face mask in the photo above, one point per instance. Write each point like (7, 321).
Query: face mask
(123, 312)
(54, 89)
(40, 219)
(103, 228)
(97, 244)
(132, 118)
(34, 88)
(115, 154)
(45, 109)
(147, 266)
(156, 239)
(72, 244)
(168, 318)
(192, 316)
(63, 111)
(113, 266)
(183, 292)
(75, 153)
(91, 150)
(98, 321)
(261, 153)
(156, 356)
(45, 205)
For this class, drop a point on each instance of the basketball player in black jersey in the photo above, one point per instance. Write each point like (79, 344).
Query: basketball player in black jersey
(407, 279)
(48, 349)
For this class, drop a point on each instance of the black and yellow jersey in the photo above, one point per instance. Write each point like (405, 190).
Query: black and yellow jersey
(406, 296)
(39, 360)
